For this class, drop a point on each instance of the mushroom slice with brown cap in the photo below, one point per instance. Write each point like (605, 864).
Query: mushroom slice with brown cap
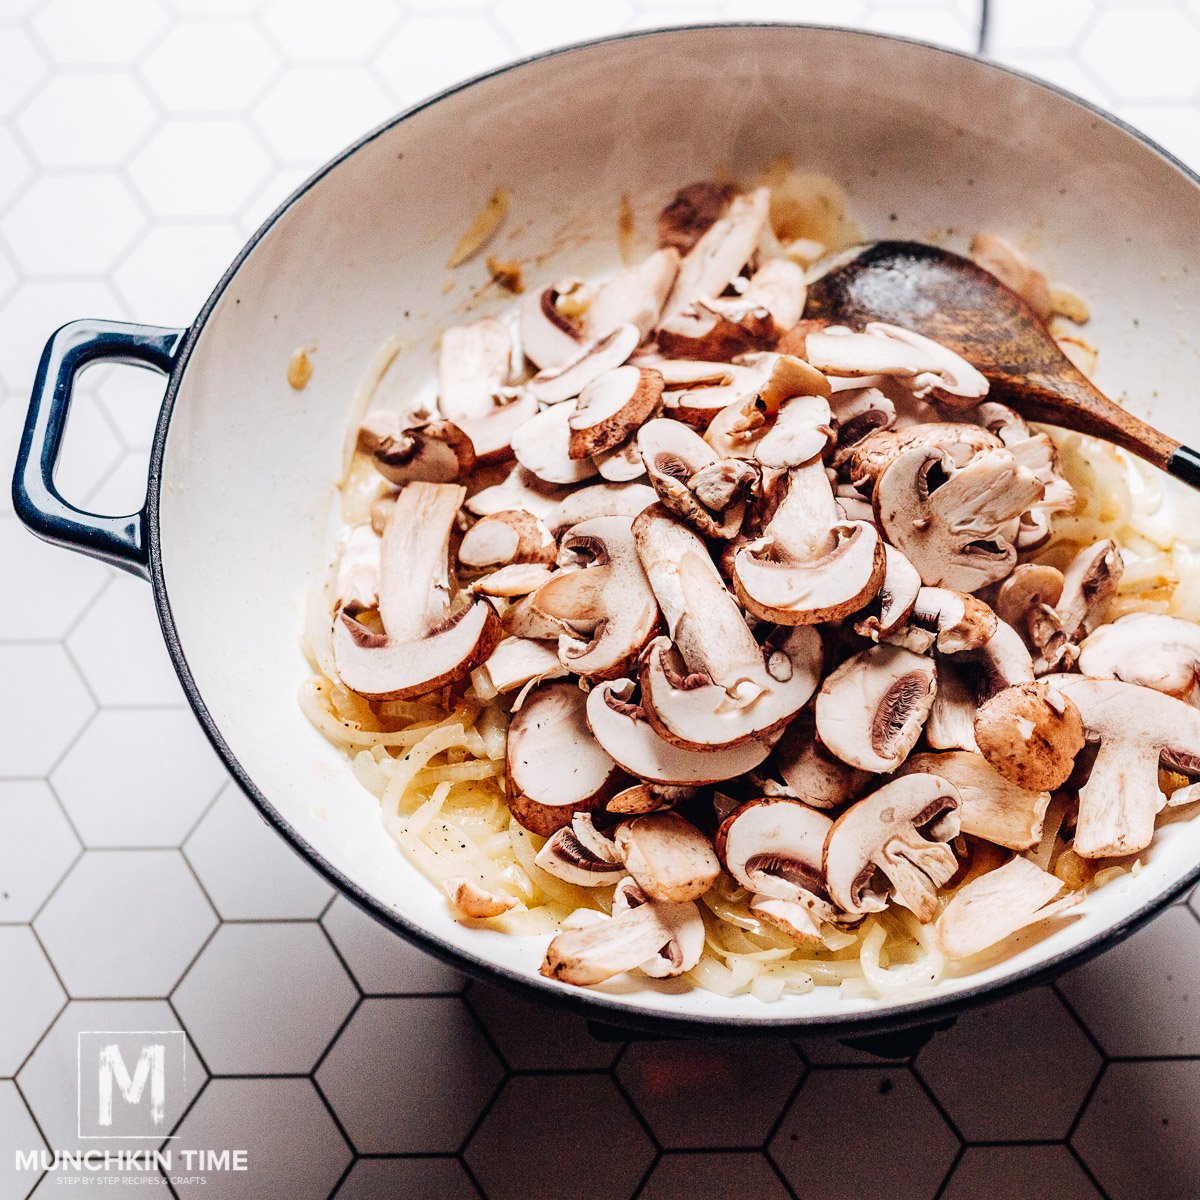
(1031, 733)
(899, 833)
(431, 452)
(870, 711)
(567, 858)
(948, 621)
(621, 727)
(706, 491)
(720, 253)
(683, 951)
(692, 212)
(897, 596)
(599, 500)
(611, 409)
(634, 296)
(594, 360)
(515, 662)
(669, 857)
(543, 446)
(956, 525)
(816, 777)
(970, 677)
(425, 644)
(1149, 649)
(809, 567)
(647, 798)
(606, 610)
(997, 904)
(554, 768)
(718, 329)
(512, 536)
(991, 807)
(863, 461)
(1026, 600)
(1138, 728)
(622, 465)
(859, 412)
(773, 848)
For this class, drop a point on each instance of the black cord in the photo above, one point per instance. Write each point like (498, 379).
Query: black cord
(984, 26)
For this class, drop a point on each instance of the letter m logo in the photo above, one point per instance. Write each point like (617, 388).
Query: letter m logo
(131, 1084)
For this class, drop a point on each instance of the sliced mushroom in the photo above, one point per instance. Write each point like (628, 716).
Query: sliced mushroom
(858, 412)
(808, 567)
(870, 711)
(1031, 733)
(425, 644)
(433, 452)
(949, 621)
(692, 212)
(549, 337)
(520, 489)
(882, 349)
(669, 857)
(477, 902)
(863, 461)
(818, 778)
(605, 611)
(718, 329)
(956, 525)
(990, 806)
(621, 727)
(512, 536)
(634, 296)
(706, 491)
(1149, 649)
(599, 500)
(1089, 587)
(1138, 728)
(554, 768)
(517, 661)
(1026, 601)
(622, 465)
(802, 431)
(474, 367)
(709, 684)
(774, 847)
(895, 600)
(720, 253)
(778, 286)
(894, 842)
(356, 586)
(970, 677)
(684, 950)
(568, 857)
(611, 409)
(998, 904)
(543, 446)
(594, 360)
(609, 946)
(513, 581)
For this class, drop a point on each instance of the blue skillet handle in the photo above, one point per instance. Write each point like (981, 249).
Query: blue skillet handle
(117, 540)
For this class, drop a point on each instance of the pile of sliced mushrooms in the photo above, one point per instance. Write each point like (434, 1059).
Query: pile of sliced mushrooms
(753, 587)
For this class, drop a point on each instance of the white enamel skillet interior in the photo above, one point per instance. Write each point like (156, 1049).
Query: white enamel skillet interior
(928, 143)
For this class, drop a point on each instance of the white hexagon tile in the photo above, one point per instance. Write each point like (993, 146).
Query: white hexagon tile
(141, 141)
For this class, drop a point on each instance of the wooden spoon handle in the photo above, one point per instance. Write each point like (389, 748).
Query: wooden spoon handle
(1184, 464)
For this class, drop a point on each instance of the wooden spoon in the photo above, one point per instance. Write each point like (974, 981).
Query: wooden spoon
(952, 300)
